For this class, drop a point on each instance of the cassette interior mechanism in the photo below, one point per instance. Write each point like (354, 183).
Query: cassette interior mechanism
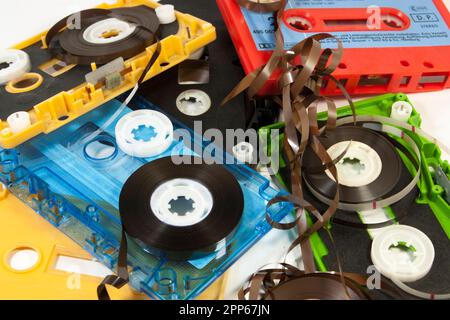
(348, 227)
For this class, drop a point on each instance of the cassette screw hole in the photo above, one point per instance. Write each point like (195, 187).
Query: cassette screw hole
(405, 251)
(144, 133)
(342, 66)
(181, 206)
(23, 259)
(299, 23)
(428, 65)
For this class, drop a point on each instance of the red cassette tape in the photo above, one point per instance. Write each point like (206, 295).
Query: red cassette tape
(390, 46)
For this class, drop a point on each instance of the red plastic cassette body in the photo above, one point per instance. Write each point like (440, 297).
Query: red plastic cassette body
(390, 46)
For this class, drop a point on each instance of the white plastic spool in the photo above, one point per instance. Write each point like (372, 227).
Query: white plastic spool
(144, 149)
(401, 111)
(19, 122)
(399, 265)
(95, 33)
(201, 105)
(166, 14)
(243, 152)
(163, 196)
(19, 64)
(367, 157)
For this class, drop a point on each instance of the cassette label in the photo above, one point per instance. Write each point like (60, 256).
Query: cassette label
(389, 46)
(410, 24)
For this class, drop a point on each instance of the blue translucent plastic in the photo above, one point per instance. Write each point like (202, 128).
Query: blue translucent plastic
(55, 176)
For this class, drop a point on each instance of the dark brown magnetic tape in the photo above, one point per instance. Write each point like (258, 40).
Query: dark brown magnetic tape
(262, 6)
(65, 39)
(300, 86)
(287, 282)
(122, 278)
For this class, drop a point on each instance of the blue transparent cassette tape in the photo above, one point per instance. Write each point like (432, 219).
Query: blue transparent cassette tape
(77, 190)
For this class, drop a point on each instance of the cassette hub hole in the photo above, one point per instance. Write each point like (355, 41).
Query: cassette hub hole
(4, 65)
(393, 21)
(193, 102)
(144, 133)
(108, 31)
(403, 251)
(181, 202)
(181, 206)
(299, 23)
(353, 166)
(360, 166)
(23, 259)
(110, 34)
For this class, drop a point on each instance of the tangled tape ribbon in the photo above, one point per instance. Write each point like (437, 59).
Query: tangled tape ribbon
(300, 89)
(301, 86)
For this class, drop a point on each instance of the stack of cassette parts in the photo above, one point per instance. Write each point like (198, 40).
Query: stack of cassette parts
(87, 59)
(127, 183)
(182, 229)
(84, 175)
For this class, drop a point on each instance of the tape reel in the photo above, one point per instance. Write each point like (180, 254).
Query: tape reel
(369, 170)
(179, 210)
(104, 35)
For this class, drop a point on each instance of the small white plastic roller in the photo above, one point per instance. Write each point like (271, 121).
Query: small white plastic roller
(19, 121)
(166, 14)
(401, 111)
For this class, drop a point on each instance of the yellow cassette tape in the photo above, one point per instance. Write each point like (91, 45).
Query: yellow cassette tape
(38, 262)
(44, 86)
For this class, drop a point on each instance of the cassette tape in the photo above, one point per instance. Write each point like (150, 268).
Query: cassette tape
(88, 59)
(38, 260)
(41, 263)
(389, 46)
(406, 241)
(89, 188)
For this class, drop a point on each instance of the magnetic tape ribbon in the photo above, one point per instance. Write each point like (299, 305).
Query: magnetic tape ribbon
(300, 89)
(262, 6)
(66, 42)
(141, 223)
(289, 283)
(122, 278)
(152, 61)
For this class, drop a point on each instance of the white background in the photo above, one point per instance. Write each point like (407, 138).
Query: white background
(21, 19)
